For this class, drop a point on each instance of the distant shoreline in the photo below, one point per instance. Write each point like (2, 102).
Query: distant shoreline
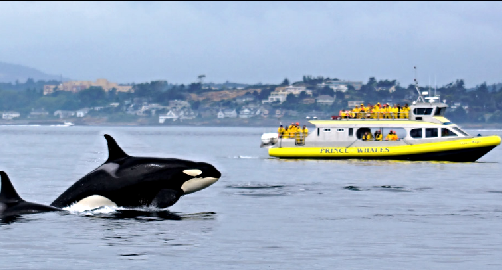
(236, 122)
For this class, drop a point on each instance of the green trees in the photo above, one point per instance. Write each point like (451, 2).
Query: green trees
(94, 96)
(285, 82)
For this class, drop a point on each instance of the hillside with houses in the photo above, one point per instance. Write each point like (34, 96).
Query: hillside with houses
(199, 103)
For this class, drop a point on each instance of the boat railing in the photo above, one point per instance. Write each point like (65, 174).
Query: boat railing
(298, 137)
(373, 115)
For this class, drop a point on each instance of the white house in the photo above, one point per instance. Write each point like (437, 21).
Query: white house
(221, 115)
(353, 103)
(245, 98)
(82, 112)
(178, 104)
(325, 100)
(38, 113)
(275, 96)
(230, 113)
(170, 115)
(246, 113)
(10, 115)
(64, 114)
(341, 86)
(280, 93)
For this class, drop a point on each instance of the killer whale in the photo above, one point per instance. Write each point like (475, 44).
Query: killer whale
(11, 204)
(130, 181)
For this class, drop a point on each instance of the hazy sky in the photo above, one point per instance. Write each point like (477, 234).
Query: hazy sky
(256, 42)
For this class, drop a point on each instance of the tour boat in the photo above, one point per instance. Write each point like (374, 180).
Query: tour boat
(424, 135)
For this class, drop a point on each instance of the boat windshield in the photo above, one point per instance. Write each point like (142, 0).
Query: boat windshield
(439, 111)
(461, 131)
(422, 111)
(448, 133)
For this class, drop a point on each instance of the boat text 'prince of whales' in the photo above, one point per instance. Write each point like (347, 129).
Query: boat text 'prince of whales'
(130, 181)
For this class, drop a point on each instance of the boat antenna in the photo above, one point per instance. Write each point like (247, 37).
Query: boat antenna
(420, 97)
(435, 85)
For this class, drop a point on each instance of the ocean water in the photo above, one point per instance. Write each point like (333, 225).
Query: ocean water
(264, 213)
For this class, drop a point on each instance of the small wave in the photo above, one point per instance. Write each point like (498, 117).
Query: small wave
(263, 194)
(20, 125)
(353, 188)
(247, 157)
(257, 186)
(392, 188)
(259, 190)
(146, 213)
(79, 209)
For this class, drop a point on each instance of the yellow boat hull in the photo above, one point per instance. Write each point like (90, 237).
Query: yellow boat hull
(462, 150)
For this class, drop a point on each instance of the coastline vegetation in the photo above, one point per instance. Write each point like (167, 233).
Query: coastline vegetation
(481, 104)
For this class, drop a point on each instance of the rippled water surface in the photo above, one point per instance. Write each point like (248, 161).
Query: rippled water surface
(263, 213)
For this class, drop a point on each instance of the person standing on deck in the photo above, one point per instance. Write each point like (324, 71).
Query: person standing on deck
(376, 111)
(355, 112)
(305, 131)
(405, 111)
(281, 131)
(362, 111)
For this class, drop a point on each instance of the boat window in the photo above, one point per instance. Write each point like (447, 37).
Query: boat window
(318, 132)
(351, 132)
(340, 130)
(447, 133)
(431, 132)
(422, 111)
(460, 131)
(360, 132)
(400, 132)
(416, 133)
(327, 130)
(439, 111)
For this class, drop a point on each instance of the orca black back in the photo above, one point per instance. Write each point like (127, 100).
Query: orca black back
(11, 204)
(131, 181)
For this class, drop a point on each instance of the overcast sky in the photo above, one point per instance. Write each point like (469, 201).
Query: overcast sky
(256, 42)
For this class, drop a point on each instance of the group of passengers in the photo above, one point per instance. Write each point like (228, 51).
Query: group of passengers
(293, 131)
(392, 136)
(377, 111)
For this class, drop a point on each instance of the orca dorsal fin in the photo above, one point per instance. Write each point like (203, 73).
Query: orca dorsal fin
(114, 150)
(7, 192)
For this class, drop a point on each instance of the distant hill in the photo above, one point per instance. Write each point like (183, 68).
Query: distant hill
(9, 73)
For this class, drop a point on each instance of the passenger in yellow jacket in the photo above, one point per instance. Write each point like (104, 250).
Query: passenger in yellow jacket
(405, 111)
(305, 131)
(281, 130)
(355, 112)
(286, 133)
(392, 136)
(374, 111)
(292, 130)
(389, 136)
(362, 111)
(388, 111)
(378, 135)
(367, 136)
(394, 111)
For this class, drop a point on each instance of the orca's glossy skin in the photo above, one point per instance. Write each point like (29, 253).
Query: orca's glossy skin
(130, 181)
(11, 203)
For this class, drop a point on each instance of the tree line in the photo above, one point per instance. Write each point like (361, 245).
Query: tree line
(482, 103)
